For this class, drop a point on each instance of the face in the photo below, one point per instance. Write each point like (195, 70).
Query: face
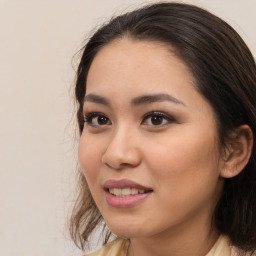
(149, 148)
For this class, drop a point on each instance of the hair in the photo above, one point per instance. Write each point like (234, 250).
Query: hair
(225, 74)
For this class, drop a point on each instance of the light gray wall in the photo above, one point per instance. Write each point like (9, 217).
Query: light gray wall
(37, 152)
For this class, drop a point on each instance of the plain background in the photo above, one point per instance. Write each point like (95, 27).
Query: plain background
(38, 39)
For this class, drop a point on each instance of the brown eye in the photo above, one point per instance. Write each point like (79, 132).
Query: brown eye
(97, 119)
(157, 119)
(101, 120)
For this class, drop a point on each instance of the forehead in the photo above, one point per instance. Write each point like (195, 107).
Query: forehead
(137, 64)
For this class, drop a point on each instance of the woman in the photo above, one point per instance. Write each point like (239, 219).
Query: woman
(167, 116)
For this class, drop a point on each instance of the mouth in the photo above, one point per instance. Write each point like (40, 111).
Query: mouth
(125, 193)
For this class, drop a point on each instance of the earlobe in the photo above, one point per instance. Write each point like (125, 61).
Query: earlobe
(238, 152)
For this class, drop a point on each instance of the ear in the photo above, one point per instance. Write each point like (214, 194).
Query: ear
(238, 152)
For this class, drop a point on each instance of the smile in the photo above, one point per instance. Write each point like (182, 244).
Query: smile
(126, 191)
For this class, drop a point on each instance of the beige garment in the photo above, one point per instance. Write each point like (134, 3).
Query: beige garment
(220, 248)
(119, 247)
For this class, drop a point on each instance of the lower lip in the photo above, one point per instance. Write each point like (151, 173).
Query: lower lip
(125, 201)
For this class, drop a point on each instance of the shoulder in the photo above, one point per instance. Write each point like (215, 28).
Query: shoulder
(118, 247)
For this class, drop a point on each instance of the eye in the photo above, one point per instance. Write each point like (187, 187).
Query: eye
(157, 119)
(96, 119)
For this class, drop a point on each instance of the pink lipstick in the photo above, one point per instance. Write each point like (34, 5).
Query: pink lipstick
(125, 193)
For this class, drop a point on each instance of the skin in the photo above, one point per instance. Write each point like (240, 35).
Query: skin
(180, 158)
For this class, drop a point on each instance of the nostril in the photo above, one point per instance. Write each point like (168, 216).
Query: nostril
(111, 166)
(121, 154)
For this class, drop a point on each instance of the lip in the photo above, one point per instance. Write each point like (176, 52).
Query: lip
(124, 183)
(125, 201)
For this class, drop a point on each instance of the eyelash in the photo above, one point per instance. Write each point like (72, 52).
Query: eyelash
(88, 119)
(162, 115)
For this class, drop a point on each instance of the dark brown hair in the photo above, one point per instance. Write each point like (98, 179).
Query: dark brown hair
(225, 74)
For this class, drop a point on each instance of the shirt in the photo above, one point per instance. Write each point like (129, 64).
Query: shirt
(119, 247)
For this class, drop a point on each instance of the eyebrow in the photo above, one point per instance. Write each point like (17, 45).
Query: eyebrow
(144, 99)
(96, 99)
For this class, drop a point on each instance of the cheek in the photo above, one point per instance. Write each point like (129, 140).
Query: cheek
(89, 158)
(90, 163)
(186, 175)
(184, 160)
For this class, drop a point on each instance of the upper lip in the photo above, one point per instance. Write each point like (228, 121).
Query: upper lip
(124, 183)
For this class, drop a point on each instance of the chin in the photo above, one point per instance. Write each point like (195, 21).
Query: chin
(127, 230)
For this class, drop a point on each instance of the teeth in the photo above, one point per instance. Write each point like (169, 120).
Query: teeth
(126, 191)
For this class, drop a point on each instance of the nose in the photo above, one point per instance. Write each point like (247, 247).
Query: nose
(122, 150)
